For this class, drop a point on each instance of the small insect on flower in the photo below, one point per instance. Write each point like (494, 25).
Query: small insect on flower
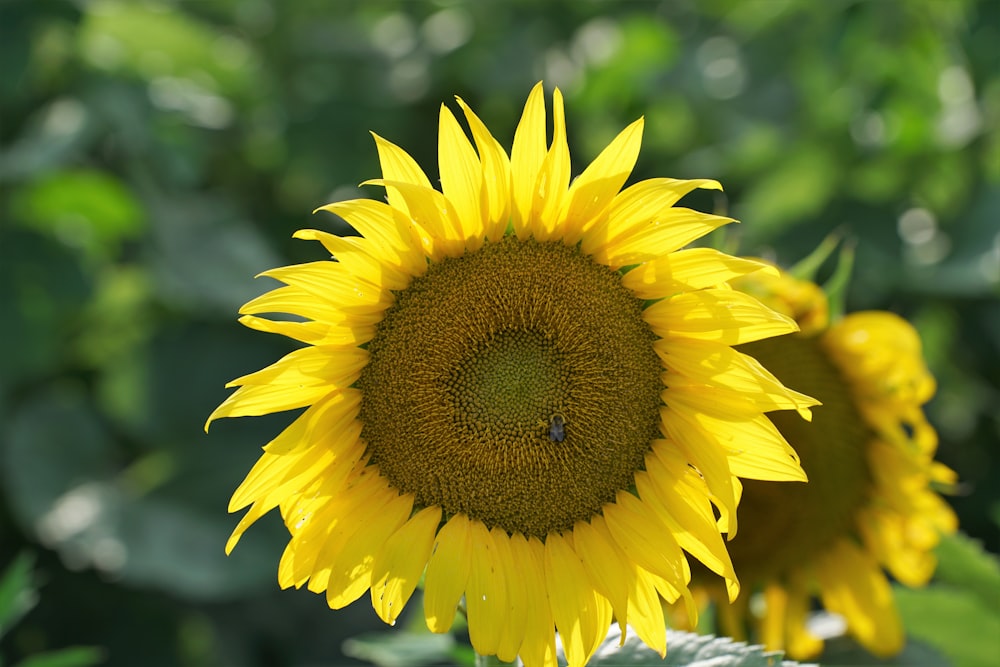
(557, 428)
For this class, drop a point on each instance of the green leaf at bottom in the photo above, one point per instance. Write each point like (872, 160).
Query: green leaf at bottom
(685, 649)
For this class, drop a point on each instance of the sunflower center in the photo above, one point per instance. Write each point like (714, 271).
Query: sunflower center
(508, 383)
(786, 525)
(517, 384)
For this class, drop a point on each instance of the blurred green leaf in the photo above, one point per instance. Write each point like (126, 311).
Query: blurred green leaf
(53, 445)
(159, 40)
(79, 656)
(64, 475)
(17, 594)
(84, 208)
(119, 319)
(944, 187)
(877, 179)
(796, 189)
(964, 564)
(670, 125)
(956, 622)
(42, 288)
(685, 650)
(845, 652)
(17, 597)
(401, 649)
(180, 549)
(634, 51)
(56, 134)
(972, 267)
(206, 254)
(15, 48)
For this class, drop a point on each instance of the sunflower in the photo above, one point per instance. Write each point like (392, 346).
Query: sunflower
(869, 505)
(517, 387)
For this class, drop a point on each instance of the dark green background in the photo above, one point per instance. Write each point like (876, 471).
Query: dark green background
(155, 156)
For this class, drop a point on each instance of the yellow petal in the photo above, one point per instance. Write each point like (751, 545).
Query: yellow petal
(801, 644)
(312, 518)
(690, 269)
(340, 521)
(496, 188)
(646, 612)
(486, 594)
(326, 365)
(312, 333)
(526, 157)
(672, 592)
(323, 423)
(400, 562)
(683, 497)
(274, 479)
(942, 474)
(397, 165)
(696, 362)
(461, 177)
(630, 590)
(900, 475)
(723, 316)
(553, 177)
(515, 615)
(581, 614)
(608, 569)
(254, 400)
(676, 229)
(431, 211)
(296, 301)
(359, 257)
(772, 633)
(638, 206)
(885, 536)
(641, 206)
(396, 237)
(289, 572)
(592, 192)
(351, 572)
(705, 454)
(539, 646)
(852, 585)
(644, 538)
(332, 282)
(447, 573)
(300, 378)
(754, 447)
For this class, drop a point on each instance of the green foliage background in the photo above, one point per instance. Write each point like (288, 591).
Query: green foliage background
(154, 156)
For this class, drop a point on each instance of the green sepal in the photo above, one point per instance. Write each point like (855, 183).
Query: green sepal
(807, 267)
(836, 286)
